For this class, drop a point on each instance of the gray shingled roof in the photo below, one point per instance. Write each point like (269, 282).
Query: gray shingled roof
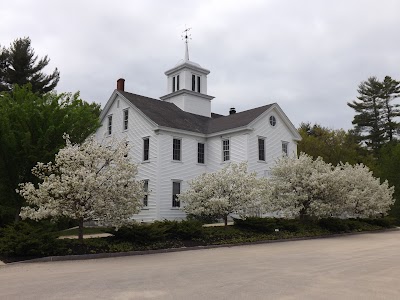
(169, 115)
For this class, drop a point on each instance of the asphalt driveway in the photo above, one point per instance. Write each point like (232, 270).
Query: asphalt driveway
(365, 266)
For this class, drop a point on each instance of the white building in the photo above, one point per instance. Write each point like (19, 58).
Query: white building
(178, 137)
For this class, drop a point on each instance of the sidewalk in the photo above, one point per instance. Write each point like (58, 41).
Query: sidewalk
(86, 236)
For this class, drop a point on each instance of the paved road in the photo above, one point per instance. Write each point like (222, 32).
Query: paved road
(363, 266)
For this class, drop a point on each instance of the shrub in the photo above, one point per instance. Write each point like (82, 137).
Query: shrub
(223, 235)
(182, 230)
(334, 225)
(141, 234)
(203, 219)
(24, 239)
(268, 225)
(386, 222)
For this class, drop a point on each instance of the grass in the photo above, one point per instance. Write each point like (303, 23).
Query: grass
(88, 230)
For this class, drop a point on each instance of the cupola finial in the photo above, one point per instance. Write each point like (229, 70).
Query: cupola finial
(186, 36)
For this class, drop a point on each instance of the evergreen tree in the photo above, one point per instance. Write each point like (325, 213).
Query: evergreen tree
(369, 118)
(390, 91)
(19, 65)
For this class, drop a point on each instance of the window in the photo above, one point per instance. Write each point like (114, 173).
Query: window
(193, 83)
(272, 120)
(175, 83)
(225, 150)
(285, 148)
(200, 153)
(176, 190)
(176, 149)
(126, 117)
(198, 84)
(127, 148)
(146, 190)
(261, 149)
(109, 126)
(146, 148)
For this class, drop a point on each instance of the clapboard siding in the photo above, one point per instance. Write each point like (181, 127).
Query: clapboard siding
(138, 128)
(161, 170)
(273, 143)
(171, 170)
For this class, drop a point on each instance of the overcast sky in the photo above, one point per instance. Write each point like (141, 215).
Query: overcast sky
(308, 56)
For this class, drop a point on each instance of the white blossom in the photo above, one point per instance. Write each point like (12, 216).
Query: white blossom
(86, 182)
(306, 187)
(365, 195)
(230, 190)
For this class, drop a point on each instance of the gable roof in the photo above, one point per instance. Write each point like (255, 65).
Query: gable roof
(169, 115)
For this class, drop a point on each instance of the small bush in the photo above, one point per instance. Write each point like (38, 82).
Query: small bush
(144, 234)
(182, 230)
(141, 234)
(268, 225)
(265, 225)
(24, 239)
(334, 225)
(386, 222)
(204, 219)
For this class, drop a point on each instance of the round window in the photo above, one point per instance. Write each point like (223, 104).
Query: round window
(272, 120)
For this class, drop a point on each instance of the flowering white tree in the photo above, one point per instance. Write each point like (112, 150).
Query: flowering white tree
(306, 187)
(86, 182)
(364, 195)
(229, 190)
(303, 186)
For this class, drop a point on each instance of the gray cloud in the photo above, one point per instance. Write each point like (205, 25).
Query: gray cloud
(308, 56)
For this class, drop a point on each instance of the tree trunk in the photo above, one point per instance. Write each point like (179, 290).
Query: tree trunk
(226, 220)
(80, 232)
(17, 218)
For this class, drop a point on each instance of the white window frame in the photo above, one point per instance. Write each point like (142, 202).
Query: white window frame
(125, 119)
(272, 121)
(196, 84)
(258, 148)
(285, 148)
(176, 204)
(146, 190)
(228, 150)
(175, 83)
(204, 153)
(180, 149)
(144, 149)
(109, 124)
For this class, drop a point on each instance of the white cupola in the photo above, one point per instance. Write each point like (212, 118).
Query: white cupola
(187, 86)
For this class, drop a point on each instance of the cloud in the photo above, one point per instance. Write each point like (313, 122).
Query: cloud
(308, 56)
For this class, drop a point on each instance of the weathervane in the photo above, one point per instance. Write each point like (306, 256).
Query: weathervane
(186, 36)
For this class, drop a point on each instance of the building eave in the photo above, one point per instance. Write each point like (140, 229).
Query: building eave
(188, 66)
(179, 131)
(230, 131)
(286, 120)
(185, 91)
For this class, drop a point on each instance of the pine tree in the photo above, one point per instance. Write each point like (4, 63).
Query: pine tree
(369, 119)
(390, 91)
(19, 65)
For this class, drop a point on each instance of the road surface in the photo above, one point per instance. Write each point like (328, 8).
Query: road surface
(365, 266)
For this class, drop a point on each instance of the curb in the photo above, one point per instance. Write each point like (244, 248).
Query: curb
(170, 250)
